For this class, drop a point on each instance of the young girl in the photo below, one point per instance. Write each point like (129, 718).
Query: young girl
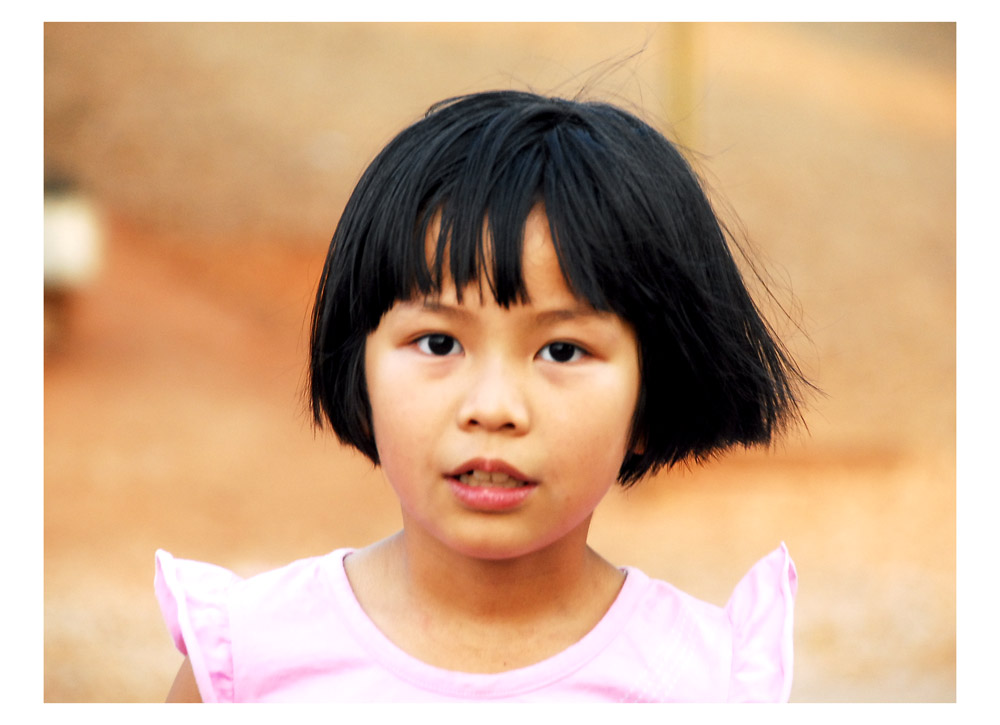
(526, 300)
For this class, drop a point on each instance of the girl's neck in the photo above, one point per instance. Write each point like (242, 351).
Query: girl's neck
(482, 615)
(503, 588)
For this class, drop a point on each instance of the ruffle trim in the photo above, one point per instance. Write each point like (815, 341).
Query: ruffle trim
(760, 611)
(193, 598)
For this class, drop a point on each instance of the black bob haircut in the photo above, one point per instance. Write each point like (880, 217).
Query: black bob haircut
(634, 234)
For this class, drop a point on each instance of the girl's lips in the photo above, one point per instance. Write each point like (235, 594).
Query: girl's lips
(490, 498)
(489, 465)
(496, 480)
(479, 492)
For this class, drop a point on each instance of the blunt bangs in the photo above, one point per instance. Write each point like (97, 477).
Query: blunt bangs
(634, 234)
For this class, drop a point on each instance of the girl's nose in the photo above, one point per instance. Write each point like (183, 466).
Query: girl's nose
(495, 401)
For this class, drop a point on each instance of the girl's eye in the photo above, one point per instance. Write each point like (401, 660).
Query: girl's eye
(439, 345)
(561, 352)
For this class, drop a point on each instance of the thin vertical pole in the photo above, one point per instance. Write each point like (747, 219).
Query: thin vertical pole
(682, 73)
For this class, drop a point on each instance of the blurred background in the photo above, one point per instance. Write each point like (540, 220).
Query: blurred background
(195, 173)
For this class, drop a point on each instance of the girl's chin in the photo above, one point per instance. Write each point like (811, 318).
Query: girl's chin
(491, 541)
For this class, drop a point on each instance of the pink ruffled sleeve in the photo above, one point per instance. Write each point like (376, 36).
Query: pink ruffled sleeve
(193, 600)
(760, 610)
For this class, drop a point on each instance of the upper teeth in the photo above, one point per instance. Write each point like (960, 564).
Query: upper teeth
(482, 478)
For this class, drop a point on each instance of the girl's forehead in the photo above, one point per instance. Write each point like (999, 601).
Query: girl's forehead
(536, 232)
(539, 266)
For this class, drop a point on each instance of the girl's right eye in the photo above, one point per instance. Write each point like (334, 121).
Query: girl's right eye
(438, 345)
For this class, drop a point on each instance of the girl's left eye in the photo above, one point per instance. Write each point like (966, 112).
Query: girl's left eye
(561, 352)
(438, 345)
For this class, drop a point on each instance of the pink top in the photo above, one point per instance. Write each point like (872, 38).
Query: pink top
(297, 634)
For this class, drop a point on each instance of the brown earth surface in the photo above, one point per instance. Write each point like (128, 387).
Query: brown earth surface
(173, 408)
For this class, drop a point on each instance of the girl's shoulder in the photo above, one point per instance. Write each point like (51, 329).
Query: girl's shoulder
(739, 652)
(183, 584)
(204, 604)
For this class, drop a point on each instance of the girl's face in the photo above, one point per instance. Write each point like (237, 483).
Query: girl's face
(502, 429)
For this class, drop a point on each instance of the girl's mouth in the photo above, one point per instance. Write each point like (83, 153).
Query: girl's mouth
(490, 492)
(489, 473)
(496, 479)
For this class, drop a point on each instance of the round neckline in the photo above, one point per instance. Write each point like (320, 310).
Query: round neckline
(479, 685)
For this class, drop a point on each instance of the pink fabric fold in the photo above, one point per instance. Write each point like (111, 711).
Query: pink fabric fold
(761, 612)
(193, 600)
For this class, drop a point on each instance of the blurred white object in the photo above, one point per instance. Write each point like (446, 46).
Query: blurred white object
(73, 251)
(73, 241)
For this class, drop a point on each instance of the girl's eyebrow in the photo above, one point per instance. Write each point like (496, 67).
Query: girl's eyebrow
(574, 313)
(430, 305)
(542, 318)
